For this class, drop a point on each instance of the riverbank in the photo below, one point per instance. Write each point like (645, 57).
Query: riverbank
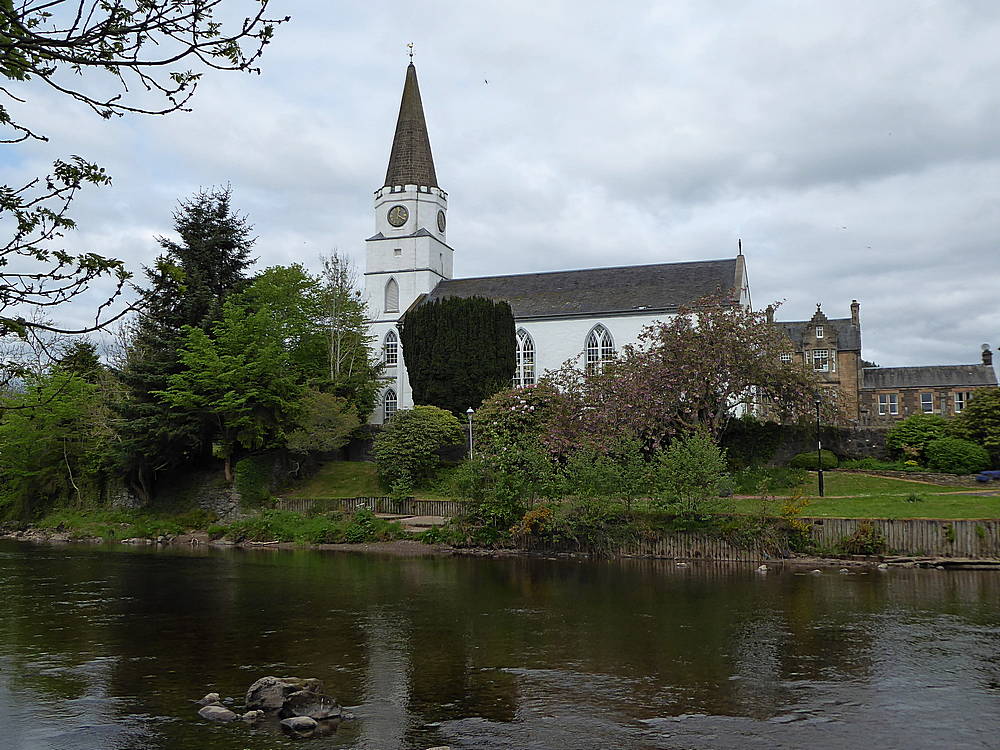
(410, 548)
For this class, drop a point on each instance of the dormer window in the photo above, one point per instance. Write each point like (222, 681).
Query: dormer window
(819, 332)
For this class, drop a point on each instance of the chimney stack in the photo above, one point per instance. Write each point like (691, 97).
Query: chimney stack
(855, 313)
(770, 313)
(987, 355)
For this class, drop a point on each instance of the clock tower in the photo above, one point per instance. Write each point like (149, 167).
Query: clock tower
(408, 254)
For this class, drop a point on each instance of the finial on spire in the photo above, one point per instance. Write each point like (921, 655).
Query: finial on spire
(739, 245)
(410, 45)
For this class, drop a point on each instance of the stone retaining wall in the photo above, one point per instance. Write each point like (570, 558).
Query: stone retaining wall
(946, 480)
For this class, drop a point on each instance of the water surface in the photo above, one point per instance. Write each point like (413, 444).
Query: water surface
(107, 647)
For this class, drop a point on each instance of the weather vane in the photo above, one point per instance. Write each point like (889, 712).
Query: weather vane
(410, 45)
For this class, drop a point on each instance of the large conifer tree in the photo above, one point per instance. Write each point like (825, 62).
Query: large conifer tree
(187, 286)
(458, 351)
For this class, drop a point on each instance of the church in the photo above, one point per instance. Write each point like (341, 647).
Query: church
(559, 315)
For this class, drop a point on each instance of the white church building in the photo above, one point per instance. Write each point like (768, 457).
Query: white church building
(559, 315)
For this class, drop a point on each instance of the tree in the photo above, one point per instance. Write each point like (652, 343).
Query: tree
(325, 422)
(458, 351)
(979, 421)
(909, 438)
(187, 287)
(142, 47)
(696, 370)
(353, 371)
(689, 473)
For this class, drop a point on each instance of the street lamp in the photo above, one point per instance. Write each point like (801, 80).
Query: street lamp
(469, 412)
(819, 448)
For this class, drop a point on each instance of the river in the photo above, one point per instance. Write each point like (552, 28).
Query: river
(106, 647)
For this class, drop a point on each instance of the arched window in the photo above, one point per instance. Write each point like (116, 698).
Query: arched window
(600, 348)
(524, 372)
(392, 296)
(390, 349)
(389, 404)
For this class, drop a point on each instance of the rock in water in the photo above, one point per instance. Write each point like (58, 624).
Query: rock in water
(269, 693)
(314, 705)
(209, 699)
(301, 726)
(252, 717)
(220, 714)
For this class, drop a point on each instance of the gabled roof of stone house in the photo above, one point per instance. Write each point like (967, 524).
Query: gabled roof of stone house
(928, 376)
(590, 292)
(844, 332)
(410, 161)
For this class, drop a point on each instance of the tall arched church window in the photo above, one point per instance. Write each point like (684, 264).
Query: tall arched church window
(524, 372)
(389, 404)
(390, 349)
(600, 348)
(391, 296)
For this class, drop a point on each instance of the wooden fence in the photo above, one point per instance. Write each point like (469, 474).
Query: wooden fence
(914, 536)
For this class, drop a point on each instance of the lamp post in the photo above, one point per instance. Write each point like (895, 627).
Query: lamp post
(469, 412)
(819, 449)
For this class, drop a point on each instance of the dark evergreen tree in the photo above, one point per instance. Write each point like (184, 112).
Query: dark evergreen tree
(187, 286)
(458, 351)
(81, 360)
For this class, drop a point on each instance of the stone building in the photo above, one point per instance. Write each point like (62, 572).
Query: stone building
(559, 315)
(889, 394)
(831, 348)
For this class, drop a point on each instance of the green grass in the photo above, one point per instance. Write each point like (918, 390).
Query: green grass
(123, 524)
(325, 528)
(861, 496)
(339, 479)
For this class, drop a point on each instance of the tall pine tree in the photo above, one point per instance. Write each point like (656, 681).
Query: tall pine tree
(187, 286)
(458, 351)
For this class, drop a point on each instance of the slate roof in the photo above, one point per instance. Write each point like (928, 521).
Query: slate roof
(848, 336)
(410, 161)
(596, 291)
(928, 376)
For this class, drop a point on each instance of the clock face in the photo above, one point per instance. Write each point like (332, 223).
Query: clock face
(441, 221)
(398, 215)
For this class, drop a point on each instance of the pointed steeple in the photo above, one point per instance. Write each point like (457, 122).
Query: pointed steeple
(410, 162)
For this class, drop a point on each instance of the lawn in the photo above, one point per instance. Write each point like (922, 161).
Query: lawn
(341, 479)
(862, 496)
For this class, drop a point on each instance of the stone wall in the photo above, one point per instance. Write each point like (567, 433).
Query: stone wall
(846, 442)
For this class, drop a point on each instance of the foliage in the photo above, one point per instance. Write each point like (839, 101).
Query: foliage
(688, 474)
(187, 289)
(407, 446)
(979, 421)
(57, 450)
(693, 370)
(326, 528)
(458, 351)
(516, 414)
(913, 497)
(873, 464)
(865, 540)
(956, 456)
(750, 442)
(62, 44)
(325, 422)
(809, 459)
(252, 478)
(908, 439)
(339, 479)
(760, 480)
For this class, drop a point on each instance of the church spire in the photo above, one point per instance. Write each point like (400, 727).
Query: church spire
(410, 162)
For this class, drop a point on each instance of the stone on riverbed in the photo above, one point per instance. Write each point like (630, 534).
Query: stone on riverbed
(302, 726)
(269, 693)
(252, 717)
(307, 703)
(209, 699)
(217, 713)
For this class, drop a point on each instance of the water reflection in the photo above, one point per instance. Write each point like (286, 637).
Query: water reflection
(106, 648)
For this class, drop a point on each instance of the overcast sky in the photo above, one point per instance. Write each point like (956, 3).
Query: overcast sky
(853, 146)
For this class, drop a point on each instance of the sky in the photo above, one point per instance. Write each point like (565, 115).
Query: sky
(854, 147)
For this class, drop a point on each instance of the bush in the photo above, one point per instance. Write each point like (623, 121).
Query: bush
(749, 442)
(515, 414)
(252, 478)
(908, 439)
(956, 456)
(866, 540)
(873, 464)
(807, 460)
(407, 448)
(688, 474)
(980, 421)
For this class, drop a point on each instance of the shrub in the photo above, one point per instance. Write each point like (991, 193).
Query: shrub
(689, 472)
(407, 446)
(909, 438)
(873, 464)
(252, 478)
(750, 442)
(808, 460)
(866, 540)
(956, 456)
(980, 421)
(501, 483)
(515, 414)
